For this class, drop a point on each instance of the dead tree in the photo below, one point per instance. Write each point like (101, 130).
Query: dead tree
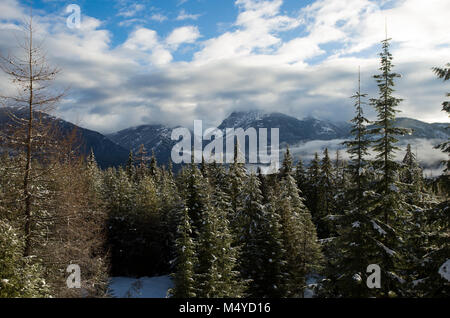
(29, 132)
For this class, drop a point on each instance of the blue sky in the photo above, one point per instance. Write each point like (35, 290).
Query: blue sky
(211, 17)
(174, 61)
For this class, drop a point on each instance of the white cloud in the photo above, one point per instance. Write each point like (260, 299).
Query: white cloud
(186, 34)
(158, 17)
(131, 10)
(258, 24)
(143, 39)
(250, 66)
(183, 15)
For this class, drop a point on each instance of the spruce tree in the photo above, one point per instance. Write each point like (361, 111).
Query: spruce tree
(251, 236)
(391, 211)
(185, 262)
(130, 166)
(326, 206)
(300, 176)
(236, 177)
(444, 73)
(303, 252)
(355, 245)
(312, 187)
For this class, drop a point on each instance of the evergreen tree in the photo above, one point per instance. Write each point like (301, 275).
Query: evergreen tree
(130, 166)
(153, 170)
(274, 284)
(326, 207)
(184, 278)
(444, 73)
(142, 168)
(313, 186)
(236, 178)
(300, 176)
(391, 211)
(303, 254)
(250, 224)
(19, 276)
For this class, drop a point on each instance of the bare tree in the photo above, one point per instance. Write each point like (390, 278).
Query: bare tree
(30, 133)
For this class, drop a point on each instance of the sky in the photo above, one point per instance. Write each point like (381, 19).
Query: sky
(174, 61)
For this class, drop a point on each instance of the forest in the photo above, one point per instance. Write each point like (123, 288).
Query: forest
(220, 231)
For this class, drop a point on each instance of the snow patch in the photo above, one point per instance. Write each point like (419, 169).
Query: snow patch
(144, 287)
(356, 224)
(444, 270)
(378, 228)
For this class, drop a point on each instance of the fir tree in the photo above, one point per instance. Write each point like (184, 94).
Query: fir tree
(300, 176)
(313, 185)
(19, 276)
(236, 178)
(391, 211)
(130, 166)
(303, 253)
(184, 278)
(153, 170)
(141, 169)
(325, 201)
(444, 73)
(250, 224)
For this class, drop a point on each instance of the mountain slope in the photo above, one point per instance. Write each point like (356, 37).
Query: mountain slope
(106, 152)
(155, 138)
(292, 131)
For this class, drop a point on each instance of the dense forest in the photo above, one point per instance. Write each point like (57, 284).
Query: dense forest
(221, 231)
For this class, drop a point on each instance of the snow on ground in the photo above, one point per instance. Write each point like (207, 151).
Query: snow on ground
(444, 270)
(311, 282)
(144, 287)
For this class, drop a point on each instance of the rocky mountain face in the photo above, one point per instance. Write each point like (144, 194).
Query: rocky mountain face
(113, 149)
(107, 153)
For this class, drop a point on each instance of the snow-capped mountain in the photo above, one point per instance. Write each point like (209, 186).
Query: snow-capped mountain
(292, 131)
(113, 149)
(107, 153)
(155, 138)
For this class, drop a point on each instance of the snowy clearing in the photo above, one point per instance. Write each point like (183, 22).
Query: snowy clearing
(444, 270)
(144, 287)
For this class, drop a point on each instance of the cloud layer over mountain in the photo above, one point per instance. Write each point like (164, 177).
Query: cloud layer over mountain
(250, 65)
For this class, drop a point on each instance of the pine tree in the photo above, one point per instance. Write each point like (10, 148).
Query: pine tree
(251, 236)
(265, 189)
(153, 170)
(237, 177)
(142, 168)
(312, 187)
(274, 284)
(19, 276)
(197, 198)
(411, 175)
(184, 278)
(326, 206)
(287, 165)
(130, 168)
(303, 254)
(444, 73)
(391, 211)
(300, 176)
(250, 225)
(222, 279)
